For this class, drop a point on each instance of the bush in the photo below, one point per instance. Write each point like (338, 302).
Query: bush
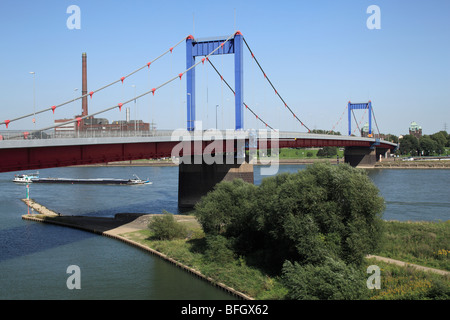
(226, 208)
(322, 211)
(165, 227)
(327, 152)
(217, 250)
(334, 280)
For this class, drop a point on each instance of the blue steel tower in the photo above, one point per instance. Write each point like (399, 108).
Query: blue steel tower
(203, 47)
(352, 106)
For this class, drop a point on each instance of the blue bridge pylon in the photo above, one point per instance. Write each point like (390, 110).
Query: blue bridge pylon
(365, 105)
(203, 47)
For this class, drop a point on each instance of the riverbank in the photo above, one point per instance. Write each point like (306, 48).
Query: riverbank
(417, 164)
(170, 163)
(384, 164)
(132, 229)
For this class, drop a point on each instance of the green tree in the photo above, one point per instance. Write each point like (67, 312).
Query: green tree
(165, 227)
(409, 144)
(428, 145)
(322, 211)
(332, 132)
(391, 137)
(441, 139)
(327, 152)
(224, 210)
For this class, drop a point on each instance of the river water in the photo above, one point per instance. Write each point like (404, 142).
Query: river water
(34, 257)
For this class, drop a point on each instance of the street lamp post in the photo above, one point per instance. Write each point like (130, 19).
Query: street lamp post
(34, 98)
(216, 115)
(135, 118)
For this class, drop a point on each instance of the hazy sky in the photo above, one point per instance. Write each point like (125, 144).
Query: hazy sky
(318, 54)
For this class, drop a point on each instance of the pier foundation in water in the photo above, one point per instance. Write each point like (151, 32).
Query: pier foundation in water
(196, 178)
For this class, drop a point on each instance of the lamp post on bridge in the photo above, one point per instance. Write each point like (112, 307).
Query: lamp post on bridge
(75, 94)
(34, 98)
(216, 115)
(135, 118)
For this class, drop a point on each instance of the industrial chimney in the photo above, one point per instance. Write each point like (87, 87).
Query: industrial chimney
(84, 85)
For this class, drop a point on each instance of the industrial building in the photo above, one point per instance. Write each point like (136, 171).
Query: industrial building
(98, 126)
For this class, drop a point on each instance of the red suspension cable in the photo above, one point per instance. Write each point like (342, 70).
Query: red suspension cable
(273, 87)
(7, 122)
(246, 106)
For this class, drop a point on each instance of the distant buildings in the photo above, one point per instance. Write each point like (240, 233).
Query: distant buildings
(415, 130)
(98, 125)
(365, 133)
(101, 126)
(365, 130)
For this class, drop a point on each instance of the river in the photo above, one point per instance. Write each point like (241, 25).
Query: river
(34, 257)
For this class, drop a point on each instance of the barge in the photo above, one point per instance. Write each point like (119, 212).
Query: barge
(89, 181)
(37, 179)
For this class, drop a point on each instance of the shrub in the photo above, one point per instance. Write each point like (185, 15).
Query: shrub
(217, 250)
(165, 227)
(225, 209)
(333, 280)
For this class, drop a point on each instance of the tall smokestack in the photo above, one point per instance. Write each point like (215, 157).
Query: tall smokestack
(84, 85)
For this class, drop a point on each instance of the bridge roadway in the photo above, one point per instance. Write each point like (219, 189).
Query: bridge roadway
(32, 154)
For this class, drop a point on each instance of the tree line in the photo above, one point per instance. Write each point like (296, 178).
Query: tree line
(427, 145)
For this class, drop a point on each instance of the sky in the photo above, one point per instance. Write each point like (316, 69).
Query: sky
(318, 54)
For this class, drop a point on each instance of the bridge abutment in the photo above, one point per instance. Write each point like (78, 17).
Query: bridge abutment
(360, 157)
(196, 177)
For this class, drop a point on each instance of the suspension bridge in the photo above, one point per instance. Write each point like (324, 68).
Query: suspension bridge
(82, 141)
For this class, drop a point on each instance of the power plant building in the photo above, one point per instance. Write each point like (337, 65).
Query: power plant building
(97, 125)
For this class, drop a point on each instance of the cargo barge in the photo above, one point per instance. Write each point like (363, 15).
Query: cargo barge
(37, 179)
(89, 181)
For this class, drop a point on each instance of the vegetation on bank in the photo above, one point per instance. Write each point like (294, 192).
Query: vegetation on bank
(305, 236)
(427, 145)
(396, 282)
(423, 243)
(311, 153)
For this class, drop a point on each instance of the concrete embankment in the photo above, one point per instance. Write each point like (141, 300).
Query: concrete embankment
(115, 228)
(413, 165)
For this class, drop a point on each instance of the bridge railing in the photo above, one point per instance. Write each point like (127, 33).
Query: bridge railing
(61, 134)
(52, 134)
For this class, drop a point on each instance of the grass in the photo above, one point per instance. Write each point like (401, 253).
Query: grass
(400, 283)
(287, 153)
(423, 243)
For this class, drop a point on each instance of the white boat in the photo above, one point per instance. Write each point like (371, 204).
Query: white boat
(25, 178)
(137, 180)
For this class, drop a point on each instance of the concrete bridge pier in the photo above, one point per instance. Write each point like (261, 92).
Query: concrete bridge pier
(360, 157)
(196, 177)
